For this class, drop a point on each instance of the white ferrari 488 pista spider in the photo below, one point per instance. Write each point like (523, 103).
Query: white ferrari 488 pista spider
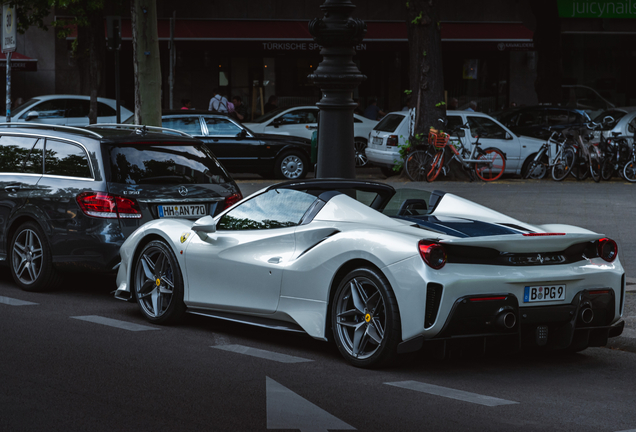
(380, 271)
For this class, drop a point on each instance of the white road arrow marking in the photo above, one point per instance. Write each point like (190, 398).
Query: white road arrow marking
(287, 410)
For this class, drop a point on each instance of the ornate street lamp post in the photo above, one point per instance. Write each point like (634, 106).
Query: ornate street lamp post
(337, 76)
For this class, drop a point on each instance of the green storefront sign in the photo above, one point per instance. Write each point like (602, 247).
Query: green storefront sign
(597, 9)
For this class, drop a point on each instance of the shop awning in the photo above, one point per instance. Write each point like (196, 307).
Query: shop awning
(288, 30)
(294, 35)
(19, 62)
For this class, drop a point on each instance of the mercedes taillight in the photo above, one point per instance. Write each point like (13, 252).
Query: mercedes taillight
(105, 205)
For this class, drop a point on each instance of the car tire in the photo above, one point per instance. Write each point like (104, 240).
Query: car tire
(291, 165)
(360, 146)
(30, 259)
(158, 284)
(365, 319)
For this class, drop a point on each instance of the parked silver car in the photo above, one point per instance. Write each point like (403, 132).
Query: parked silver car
(70, 110)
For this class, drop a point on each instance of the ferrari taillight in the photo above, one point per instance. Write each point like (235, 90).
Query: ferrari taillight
(232, 199)
(105, 205)
(607, 249)
(433, 254)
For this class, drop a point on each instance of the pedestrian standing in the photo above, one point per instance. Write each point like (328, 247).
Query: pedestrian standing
(373, 112)
(186, 104)
(272, 104)
(240, 110)
(218, 103)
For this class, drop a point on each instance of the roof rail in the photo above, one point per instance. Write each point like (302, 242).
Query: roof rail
(140, 129)
(50, 126)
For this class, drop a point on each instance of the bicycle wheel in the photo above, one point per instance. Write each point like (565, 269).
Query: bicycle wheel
(607, 170)
(536, 170)
(435, 166)
(581, 168)
(594, 156)
(416, 165)
(629, 171)
(491, 165)
(564, 165)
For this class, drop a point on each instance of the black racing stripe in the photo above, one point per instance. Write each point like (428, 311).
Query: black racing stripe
(460, 254)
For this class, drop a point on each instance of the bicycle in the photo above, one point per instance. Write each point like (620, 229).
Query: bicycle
(629, 170)
(560, 160)
(615, 155)
(588, 156)
(417, 161)
(489, 164)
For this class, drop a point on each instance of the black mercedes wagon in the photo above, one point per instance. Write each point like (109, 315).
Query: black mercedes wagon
(70, 196)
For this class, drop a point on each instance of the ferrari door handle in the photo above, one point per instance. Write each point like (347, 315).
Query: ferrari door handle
(274, 260)
(12, 188)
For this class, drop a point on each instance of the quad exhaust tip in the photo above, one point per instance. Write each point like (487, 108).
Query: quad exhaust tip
(506, 320)
(587, 315)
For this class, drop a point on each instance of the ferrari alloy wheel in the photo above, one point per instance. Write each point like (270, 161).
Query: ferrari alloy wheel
(158, 284)
(291, 166)
(31, 264)
(360, 146)
(365, 319)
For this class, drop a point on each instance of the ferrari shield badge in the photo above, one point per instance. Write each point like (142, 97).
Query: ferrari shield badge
(185, 236)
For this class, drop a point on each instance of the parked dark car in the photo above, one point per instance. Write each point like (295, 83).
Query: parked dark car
(533, 121)
(240, 149)
(70, 196)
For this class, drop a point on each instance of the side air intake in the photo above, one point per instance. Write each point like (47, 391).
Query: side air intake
(433, 298)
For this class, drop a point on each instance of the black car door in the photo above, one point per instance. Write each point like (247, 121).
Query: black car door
(236, 148)
(20, 171)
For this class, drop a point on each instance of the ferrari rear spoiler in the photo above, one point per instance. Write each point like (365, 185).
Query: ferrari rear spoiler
(524, 243)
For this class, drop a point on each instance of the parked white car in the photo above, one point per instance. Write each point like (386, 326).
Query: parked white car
(69, 110)
(393, 131)
(301, 122)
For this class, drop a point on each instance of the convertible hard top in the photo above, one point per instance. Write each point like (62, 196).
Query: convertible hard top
(346, 186)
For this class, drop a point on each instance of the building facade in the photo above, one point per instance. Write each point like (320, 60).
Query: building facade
(258, 48)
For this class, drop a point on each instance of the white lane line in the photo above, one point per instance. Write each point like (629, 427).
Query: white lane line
(452, 393)
(255, 352)
(114, 323)
(287, 410)
(15, 302)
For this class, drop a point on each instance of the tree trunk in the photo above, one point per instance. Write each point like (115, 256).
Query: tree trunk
(147, 68)
(547, 42)
(426, 70)
(90, 58)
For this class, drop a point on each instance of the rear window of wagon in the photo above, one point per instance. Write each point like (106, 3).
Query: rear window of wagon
(162, 164)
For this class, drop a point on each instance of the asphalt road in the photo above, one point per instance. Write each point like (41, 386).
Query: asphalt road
(78, 360)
